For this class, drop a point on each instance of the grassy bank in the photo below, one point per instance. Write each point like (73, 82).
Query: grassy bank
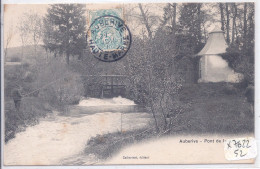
(216, 108)
(104, 146)
(45, 84)
(31, 110)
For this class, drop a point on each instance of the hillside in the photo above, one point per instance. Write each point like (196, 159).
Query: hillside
(15, 53)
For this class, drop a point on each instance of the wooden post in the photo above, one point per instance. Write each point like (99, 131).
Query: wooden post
(117, 87)
(106, 84)
(112, 90)
(121, 123)
(102, 92)
(106, 79)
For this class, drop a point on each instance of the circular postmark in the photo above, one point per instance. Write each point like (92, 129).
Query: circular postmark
(109, 38)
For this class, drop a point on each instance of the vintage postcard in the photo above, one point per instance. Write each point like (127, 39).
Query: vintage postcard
(128, 83)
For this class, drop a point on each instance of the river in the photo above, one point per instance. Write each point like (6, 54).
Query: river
(61, 138)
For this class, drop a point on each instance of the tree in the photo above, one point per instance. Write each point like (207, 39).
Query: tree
(34, 22)
(199, 23)
(145, 21)
(227, 25)
(9, 36)
(234, 7)
(221, 7)
(190, 21)
(50, 37)
(251, 30)
(169, 17)
(153, 79)
(65, 28)
(245, 25)
(30, 30)
(23, 32)
(240, 54)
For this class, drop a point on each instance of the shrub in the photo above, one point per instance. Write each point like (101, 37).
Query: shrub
(15, 59)
(29, 77)
(229, 89)
(26, 65)
(105, 146)
(242, 62)
(60, 85)
(19, 75)
(31, 110)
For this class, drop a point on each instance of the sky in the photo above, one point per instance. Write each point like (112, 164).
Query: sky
(14, 12)
(12, 15)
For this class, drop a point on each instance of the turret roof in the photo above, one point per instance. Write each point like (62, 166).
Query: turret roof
(216, 43)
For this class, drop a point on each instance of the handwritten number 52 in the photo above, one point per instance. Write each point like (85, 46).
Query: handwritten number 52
(240, 153)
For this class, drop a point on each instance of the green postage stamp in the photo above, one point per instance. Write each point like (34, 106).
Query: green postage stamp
(108, 36)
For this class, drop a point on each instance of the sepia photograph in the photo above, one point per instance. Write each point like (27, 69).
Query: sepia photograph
(128, 83)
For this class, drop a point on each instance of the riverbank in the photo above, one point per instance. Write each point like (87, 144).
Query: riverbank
(42, 87)
(56, 140)
(60, 138)
(105, 146)
(32, 109)
(214, 109)
(57, 137)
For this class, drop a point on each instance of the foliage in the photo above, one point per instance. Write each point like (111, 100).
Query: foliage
(8, 38)
(242, 62)
(43, 86)
(151, 65)
(64, 29)
(59, 86)
(153, 70)
(214, 110)
(15, 59)
(190, 27)
(242, 27)
(32, 108)
(105, 146)
(19, 75)
(154, 81)
(169, 16)
(30, 30)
